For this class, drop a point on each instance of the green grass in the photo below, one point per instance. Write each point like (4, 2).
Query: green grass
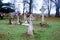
(16, 32)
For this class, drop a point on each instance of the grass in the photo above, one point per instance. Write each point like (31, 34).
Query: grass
(16, 32)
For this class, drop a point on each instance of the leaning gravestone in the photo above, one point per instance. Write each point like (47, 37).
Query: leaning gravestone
(30, 27)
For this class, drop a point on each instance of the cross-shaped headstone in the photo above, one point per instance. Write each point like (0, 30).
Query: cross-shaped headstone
(42, 9)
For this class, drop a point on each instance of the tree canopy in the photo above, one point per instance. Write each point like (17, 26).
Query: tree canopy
(6, 7)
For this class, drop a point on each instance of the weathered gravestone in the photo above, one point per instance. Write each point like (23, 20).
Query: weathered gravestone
(43, 23)
(30, 25)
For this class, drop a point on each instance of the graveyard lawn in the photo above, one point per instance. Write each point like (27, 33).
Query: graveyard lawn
(19, 32)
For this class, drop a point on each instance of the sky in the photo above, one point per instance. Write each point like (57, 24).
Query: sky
(19, 6)
(5, 1)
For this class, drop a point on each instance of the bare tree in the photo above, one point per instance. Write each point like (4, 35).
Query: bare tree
(57, 4)
(28, 2)
(30, 7)
(48, 3)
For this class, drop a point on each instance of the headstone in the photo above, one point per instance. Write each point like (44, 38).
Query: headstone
(30, 27)
(26, 19)
(42, 10)
(18, 18)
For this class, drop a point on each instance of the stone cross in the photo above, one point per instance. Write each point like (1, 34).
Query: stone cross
(42, 10)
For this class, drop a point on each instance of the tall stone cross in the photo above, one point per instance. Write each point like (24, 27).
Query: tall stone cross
(42, 10)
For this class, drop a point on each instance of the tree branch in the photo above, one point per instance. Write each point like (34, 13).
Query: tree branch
(27, 2)
(53, 1)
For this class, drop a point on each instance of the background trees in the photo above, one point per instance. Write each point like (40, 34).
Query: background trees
(6, 7)
(29, 2)
(48, 5)
(57, 4)
(31, 5)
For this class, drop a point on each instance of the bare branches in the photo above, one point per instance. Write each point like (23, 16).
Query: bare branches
(54, 1)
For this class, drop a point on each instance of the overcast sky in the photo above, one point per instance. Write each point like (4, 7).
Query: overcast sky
(38, 7)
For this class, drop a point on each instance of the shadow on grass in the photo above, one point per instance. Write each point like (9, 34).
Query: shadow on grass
(36, 36)
(42, 25)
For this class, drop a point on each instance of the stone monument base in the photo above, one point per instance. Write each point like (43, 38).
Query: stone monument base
(44, 24)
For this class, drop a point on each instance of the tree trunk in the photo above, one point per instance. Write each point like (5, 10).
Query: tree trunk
(57, 11)
(49, 8)
(30, 6)
(10, 19)
(49, 13)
